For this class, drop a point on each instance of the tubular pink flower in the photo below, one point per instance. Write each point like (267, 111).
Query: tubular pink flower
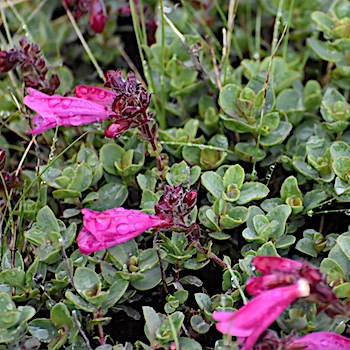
(110, 227)
(57, 110)
(257, 315)
(320, 341)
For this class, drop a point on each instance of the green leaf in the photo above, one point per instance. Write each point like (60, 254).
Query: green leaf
(189, 344)
(64, 194)
(290, 188)
(324, 50)
(252, 191)
(110, 195)
(46, 220)
(305, 169)
(149, 278)
(86, 282)
(213, 183)
(227, 99)
(203, 300)
(80, 176)
(110, 154)
(14, 277)
(79, 302)
(234, 175)
(199, 324)
(42, 329)
(332, 270)
(278, 135)
(279, 214)
(153, 322)
(248, 152)
(60, 316)
(341, 166)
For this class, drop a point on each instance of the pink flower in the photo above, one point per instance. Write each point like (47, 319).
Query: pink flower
(257, 315)
(114, 226)
(57, 110)
(320, 341)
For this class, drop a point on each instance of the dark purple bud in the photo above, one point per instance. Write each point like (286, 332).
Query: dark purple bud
(8, 59)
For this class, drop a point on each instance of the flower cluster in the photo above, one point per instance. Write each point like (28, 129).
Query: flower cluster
(282, 282)
(130, 106)
(97, 12)
(32, 66)
(176, 204)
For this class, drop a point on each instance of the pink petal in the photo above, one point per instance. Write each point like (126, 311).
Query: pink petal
(114, 226)
(322, 341)
(254, 318)
(266, 264)
(103, 97)
(259, 284)
(63, 111)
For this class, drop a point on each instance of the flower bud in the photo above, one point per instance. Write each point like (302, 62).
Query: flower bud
(190, 198)
(98, 16)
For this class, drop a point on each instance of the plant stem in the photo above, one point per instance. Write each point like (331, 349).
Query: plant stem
(210, 254)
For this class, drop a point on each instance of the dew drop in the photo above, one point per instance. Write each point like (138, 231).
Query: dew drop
(256, 55)
(83, 90)
(53, 102)
(101, 94)
(66, 103)
(310, 213)
(347, 212)
(123, 229)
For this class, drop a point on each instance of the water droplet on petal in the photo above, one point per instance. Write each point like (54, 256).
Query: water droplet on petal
(101, 94)
(66, 103)
(53, 102)
(347, 212)
(83, 90)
